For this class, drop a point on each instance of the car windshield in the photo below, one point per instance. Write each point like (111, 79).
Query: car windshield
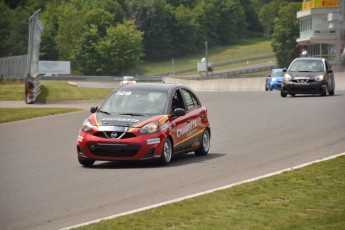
(128, 78)
(277, 73)
(135, 102)
(307, 66)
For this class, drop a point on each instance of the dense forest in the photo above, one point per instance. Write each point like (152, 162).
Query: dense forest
(108, 37)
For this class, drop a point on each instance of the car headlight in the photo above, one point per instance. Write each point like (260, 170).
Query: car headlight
(287, 77)
(273, 79)
(152, 127)
(87, 126)
(319, 78)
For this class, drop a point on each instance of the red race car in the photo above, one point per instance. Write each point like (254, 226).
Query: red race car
(145, 121)
(127, 80)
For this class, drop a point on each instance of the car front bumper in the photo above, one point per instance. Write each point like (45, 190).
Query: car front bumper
(315, 87)
(137, 148)
(276, 85)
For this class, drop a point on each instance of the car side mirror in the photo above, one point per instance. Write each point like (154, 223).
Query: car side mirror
(284, 70)
(329, 71)
(94, 109)
(179, 112)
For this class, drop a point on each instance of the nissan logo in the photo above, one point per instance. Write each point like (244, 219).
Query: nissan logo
(113, 135)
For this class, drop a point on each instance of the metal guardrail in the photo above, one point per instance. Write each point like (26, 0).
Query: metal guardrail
(231, 73)
(160, 77)
(32, 88)
(100, 78)
(220, 64)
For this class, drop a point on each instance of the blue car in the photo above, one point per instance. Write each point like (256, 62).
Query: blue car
(274, 80)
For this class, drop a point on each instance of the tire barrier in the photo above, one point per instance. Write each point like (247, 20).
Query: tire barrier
(32, 88)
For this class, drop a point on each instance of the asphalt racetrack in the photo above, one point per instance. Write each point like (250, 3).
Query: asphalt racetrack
(253, 133)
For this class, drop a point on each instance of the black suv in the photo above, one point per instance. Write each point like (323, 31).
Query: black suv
(308, 76)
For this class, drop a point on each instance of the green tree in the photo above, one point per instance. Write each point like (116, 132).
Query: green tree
(99, 18)
(233, 24)
(186, 3)
(268, 13)
(209, 21)
(112, 7)
(71, 25)
(188, 33)
(155, 18)
(120, 50)
(6, 15)
(225, 26)
(14, 26)
(49, 18)
(286, 31)
(251, 15)
(88, 58)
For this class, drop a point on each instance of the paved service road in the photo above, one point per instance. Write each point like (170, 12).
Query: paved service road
(253, 133)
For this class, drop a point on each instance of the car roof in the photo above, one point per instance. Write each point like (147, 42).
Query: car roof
(311, 58)
(166, 87)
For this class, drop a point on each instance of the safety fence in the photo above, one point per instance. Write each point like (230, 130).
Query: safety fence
(13, 67)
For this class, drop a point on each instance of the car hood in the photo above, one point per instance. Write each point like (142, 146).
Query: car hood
(308, 75)
(123, 120)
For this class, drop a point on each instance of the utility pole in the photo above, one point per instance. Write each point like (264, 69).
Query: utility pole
(173, 67)
(206, 59)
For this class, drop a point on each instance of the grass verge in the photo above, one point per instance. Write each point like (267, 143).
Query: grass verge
(306, 198)
(16, 114)
(52, 90)
(62, 90)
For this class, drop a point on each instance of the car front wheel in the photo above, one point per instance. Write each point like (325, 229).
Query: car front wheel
(167, 152)
(331, 92)
(205, 144)
(283, 94)
(325, 90)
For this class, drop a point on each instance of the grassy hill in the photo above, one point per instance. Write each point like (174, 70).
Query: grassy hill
(246, 48)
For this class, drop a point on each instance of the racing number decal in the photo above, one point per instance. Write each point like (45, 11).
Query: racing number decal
(123, 93)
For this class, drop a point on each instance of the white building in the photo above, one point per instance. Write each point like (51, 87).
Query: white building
(322, 30)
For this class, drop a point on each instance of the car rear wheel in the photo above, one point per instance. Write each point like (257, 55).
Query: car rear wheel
(283, 94)
(167, 152)
(86, 162)
(205, 144)
(332, 91)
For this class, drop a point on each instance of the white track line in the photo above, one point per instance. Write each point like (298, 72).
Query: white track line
(204, 192)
